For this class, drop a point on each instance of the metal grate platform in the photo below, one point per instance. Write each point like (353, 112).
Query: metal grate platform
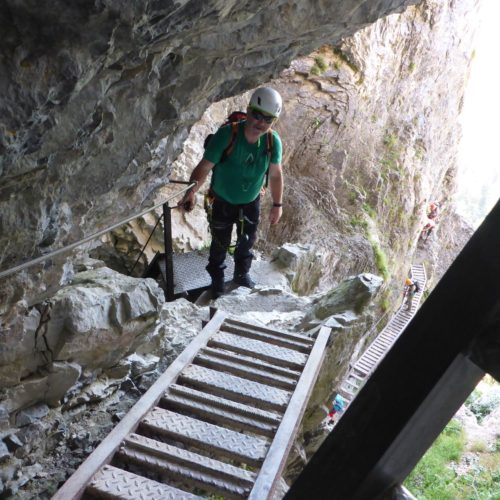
(190, 273)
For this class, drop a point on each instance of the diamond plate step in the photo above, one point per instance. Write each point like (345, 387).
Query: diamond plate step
(189, 270)
(252, 363)
(204, 436)
(110, 482)
(301, 344)
(219, 411)
(296, 337)
(260, 350)
(249, 373)
(185, 466)
(235, 388)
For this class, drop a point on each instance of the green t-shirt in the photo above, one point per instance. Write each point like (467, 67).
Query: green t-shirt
(240, 178)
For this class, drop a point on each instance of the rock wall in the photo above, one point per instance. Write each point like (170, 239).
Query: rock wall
(90, 129)
(89, 90)
(99, 99)
(370, 131)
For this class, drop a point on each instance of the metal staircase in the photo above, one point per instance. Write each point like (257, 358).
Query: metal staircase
(376, 351)
(220, 421)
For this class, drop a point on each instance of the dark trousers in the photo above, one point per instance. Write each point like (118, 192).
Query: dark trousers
(224, 216)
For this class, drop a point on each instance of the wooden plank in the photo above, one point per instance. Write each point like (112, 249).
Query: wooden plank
(282, 442)
(74, 487)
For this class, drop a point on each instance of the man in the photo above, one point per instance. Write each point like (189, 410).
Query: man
(411, 288)
(238, 176)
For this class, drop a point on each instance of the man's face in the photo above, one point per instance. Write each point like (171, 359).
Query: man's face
(259, 122)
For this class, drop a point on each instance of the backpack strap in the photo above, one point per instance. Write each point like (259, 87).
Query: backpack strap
(269, 152)
(229, 148)
(232, 140)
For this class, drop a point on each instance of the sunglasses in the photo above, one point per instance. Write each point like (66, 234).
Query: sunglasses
(261, 116)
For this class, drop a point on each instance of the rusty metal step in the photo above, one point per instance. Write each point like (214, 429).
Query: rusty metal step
(235, 388)
(280, 356)
(220, 411)
(204, 436)
(177, 464)
(113, 483)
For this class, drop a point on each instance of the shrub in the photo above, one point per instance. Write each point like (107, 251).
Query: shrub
(432, 478)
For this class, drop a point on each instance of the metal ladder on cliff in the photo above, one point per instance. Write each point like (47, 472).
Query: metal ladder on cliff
(376, 351)
(221, 419)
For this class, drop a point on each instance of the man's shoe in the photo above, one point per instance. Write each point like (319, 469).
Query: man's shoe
(244, 280)
(217, 287)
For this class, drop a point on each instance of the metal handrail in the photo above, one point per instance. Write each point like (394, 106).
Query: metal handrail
(93, 236)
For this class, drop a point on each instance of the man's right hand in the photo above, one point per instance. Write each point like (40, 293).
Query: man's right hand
(188, 201)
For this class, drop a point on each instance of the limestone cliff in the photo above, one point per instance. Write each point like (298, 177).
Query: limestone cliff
(98, 99)
(370, 130)
(369, 127)
(90, 89)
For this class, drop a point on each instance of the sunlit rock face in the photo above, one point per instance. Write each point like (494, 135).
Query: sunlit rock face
(371, 131)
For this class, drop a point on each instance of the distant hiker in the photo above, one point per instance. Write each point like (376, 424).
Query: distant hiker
(432, 210)
(411, 288)
(338, 405)
(427, 229)
(430, 225)
(240, 156)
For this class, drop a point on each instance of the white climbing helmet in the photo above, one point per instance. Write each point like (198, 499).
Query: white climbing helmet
(267, 100)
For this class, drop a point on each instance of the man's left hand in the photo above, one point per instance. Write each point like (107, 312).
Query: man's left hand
(275, 215)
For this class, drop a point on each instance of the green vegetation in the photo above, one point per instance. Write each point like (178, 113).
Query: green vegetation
(419, 153)
(357, 221)
(481, 407)
(343, 57)
(379, 255)
(317, 122)
(321, 63)
(411, 67)
(432, 478)
(436, 478)
(385, 302)
(352, 196)
(380, 260)
(319, 66)
(370, 211)
(391, 158)
(205, 245)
